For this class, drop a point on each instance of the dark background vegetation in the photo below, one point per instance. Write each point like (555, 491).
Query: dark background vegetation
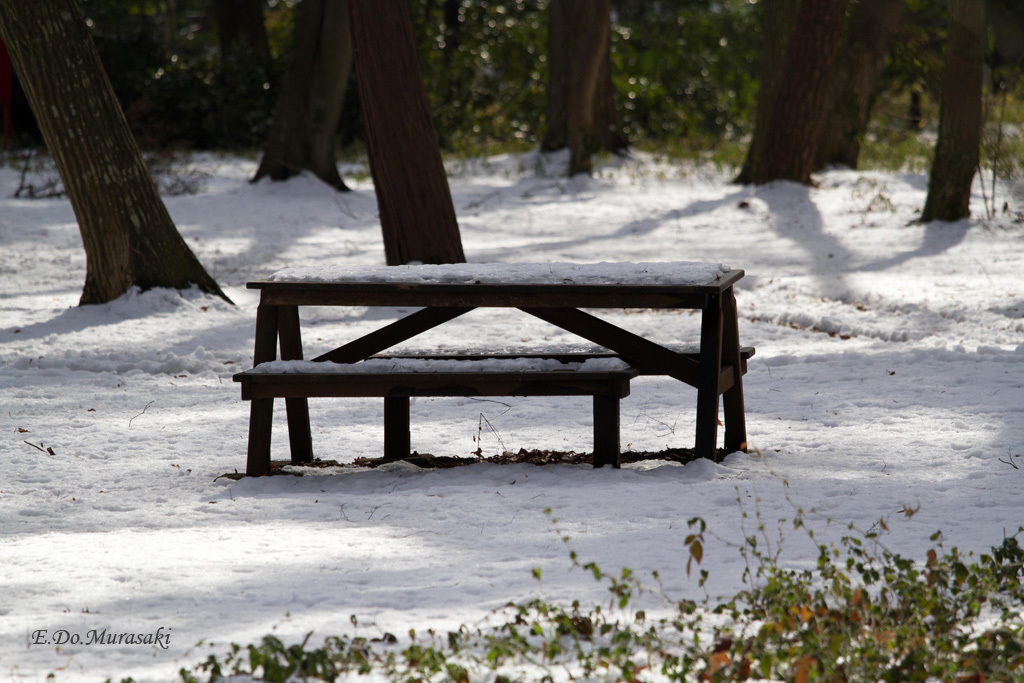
(685, 72)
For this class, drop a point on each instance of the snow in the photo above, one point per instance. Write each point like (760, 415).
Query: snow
(400, 365)
(889, 378)
(603, 273)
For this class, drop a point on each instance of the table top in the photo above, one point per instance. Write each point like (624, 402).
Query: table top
(682, 284)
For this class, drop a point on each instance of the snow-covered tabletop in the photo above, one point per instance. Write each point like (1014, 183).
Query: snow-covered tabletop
(650, 273)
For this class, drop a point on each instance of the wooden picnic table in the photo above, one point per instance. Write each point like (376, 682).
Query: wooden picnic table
(555, 293)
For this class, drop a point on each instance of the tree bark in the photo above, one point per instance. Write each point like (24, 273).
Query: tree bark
(798, 114)
(960, 117)
(416, 212)
(302, 136)
(241, 22)
(778, 23)
(581, 111)
(128, 235)
(870, 33)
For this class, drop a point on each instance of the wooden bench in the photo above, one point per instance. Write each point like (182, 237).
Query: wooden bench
(396, 379)
(556, 293)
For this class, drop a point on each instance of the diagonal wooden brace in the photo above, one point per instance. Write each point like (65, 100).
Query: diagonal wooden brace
(395, 333)
(642, 354)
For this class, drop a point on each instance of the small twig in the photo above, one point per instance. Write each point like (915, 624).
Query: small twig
(141, 414)
(490, 400)
(984, 195)
(494, 431)
(1009, 461)
(35, 446)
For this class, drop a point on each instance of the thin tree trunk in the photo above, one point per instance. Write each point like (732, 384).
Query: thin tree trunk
(452, 19)
(562, 36)
(416, 212)
(594, 24)
(799, 111)
(960, 118)
(128, 235)
(581, 111)
(870, 33)
(607, 126)
(778, 23)
(241, 22)
(302, 136)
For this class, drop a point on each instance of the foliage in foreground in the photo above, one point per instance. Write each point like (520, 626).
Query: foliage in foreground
(862, 614)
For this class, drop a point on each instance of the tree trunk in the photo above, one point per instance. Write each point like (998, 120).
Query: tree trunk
(870, 33)
(240, 22)
(452, 20)
(581, 110)
(960, 118)
(798, 114)
(128, 235)
(415, 203)
(778, 24)
(302, 136)
(607, 127)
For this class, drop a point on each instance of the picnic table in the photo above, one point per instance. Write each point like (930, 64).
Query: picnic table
(554, 292)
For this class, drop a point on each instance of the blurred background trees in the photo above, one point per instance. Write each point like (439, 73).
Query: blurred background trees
(688, 77)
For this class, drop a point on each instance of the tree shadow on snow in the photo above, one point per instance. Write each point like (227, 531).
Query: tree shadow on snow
(939, 237)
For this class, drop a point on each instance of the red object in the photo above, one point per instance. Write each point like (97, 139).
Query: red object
(5, 88)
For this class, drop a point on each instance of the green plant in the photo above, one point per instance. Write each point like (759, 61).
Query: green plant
(862, 613)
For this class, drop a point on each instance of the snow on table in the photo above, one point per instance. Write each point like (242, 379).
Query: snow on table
(604, 273)
(400, 365)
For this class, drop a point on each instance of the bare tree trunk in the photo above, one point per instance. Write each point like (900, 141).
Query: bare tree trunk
(128, 235)
(870, 33)
(960, 118)
(241, 22)
(302, 136)
(798, 114)
(778, 22)
(607, 126)
(581, 110)
(561, 38)
(415, 203)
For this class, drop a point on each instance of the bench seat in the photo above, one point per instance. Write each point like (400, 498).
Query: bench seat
(396, 379)
(562, 355)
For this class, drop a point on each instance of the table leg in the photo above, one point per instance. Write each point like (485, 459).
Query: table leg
(606, 431)
(396, 427)
(297, 408)
(732, 400)
(706, 440)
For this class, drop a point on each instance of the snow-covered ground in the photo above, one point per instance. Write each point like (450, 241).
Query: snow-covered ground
(889, 377)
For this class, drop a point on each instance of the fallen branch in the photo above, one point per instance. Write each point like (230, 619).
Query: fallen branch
(141, 414)
(47, 450)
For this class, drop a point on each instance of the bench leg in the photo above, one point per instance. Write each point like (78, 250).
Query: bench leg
(706, 441)
(396, 427)
(606, 431)
(261, 410)
(261, 415)
(732, 400)
(297, 408)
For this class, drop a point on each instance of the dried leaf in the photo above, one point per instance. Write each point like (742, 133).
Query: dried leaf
(719, 660)
(803, 670)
